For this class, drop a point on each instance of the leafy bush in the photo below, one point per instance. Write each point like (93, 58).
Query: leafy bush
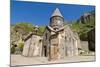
(23, 28)
(20, 46)
(13, 50)
(41, 30)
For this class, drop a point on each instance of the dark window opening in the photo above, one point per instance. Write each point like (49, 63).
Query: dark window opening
(15, 45)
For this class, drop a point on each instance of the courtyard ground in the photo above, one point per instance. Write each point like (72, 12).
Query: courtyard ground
(21, 60)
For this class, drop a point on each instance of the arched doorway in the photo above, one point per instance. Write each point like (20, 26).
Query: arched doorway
(45, 51)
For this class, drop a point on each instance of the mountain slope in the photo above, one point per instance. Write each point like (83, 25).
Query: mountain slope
(84, 24)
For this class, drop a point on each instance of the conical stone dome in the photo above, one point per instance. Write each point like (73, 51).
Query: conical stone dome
(56, 20)
(57, 13)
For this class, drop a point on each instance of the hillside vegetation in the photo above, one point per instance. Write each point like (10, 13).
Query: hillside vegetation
(84, 24)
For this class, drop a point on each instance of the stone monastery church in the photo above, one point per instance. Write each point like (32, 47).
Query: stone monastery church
(58, 40)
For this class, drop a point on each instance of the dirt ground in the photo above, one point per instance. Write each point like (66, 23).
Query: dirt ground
(21, 60)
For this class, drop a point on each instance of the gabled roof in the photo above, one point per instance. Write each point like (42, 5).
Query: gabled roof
(57, 13)
(28, 36)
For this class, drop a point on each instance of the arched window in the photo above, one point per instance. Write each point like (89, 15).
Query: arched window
(46, 35)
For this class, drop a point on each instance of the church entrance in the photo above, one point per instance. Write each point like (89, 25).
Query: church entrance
(45, 51)
(54, 51)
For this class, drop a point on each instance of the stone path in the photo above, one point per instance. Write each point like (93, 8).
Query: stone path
(21, 60)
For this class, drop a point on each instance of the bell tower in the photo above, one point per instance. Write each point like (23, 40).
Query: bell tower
(56, 20)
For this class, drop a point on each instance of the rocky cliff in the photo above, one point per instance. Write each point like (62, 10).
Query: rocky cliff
(85, 27)
(91, 39)
(84, 24)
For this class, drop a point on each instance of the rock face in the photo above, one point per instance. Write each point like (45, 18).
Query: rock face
(16, 42)
(58, 39)
(15, 37)
(86, 17)
(85, 27)
(88, 29)
(18, 33)
(84, 45)
(86, 22)
(91, 39)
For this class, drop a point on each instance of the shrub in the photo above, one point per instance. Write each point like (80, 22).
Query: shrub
(20, 46)
(13, 50)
